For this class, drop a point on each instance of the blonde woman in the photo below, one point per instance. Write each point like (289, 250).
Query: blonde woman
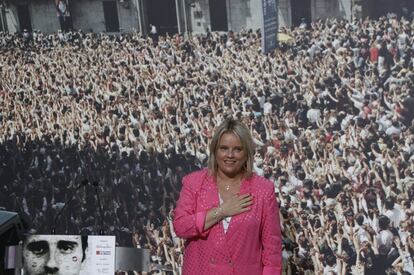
(228, 215)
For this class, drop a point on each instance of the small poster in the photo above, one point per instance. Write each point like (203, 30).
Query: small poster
(102, 255)
(69, 255)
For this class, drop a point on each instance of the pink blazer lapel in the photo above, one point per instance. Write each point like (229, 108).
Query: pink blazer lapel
(208, 194)
(209, 198)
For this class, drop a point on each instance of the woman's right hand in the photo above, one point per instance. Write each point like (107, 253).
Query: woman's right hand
(236, 205)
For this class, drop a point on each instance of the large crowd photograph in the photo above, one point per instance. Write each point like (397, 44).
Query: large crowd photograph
(202, 147)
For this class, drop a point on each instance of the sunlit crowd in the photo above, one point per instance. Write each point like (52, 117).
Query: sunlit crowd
(331, 113)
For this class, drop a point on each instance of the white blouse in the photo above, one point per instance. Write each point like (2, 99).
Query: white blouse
(226, 221)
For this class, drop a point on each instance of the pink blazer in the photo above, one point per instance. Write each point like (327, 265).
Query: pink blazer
(252, 244)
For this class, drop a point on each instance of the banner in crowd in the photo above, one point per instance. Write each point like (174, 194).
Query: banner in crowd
(270, 25)
(69, 255)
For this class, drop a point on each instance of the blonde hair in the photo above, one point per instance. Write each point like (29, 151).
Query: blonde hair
(239, 129)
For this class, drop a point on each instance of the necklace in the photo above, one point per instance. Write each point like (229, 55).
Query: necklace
(228, 185)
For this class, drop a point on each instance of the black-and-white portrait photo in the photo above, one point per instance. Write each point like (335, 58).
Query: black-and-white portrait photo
(54, 254)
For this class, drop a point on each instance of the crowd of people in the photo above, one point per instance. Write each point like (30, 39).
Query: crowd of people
(331, 114)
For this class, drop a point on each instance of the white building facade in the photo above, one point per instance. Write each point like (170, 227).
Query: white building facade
(176, 16)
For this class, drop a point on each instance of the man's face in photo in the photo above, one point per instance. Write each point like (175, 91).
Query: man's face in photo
(60, 255)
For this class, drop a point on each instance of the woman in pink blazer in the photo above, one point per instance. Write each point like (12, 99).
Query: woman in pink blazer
(228, 215)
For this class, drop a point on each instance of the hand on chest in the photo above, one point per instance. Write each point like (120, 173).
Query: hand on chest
(209, 197)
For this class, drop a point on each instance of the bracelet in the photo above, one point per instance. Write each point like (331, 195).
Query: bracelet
(216, 212)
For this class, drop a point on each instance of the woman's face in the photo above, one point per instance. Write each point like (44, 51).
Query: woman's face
(230, 155)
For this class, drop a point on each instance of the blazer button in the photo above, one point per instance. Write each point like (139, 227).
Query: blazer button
(230, 263)
(212, 260)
